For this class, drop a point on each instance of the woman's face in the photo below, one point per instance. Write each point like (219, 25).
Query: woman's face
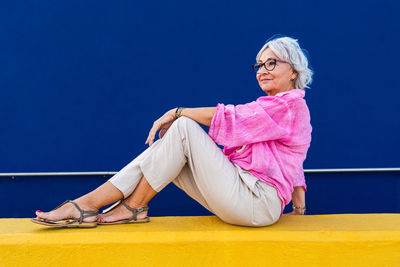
(280, 79)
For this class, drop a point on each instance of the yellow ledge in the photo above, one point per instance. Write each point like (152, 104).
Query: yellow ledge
(309, 240)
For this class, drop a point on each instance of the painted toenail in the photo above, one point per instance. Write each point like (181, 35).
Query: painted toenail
(38, 211)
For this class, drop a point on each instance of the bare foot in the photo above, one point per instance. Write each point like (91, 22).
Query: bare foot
(66, 211)
(119, 213)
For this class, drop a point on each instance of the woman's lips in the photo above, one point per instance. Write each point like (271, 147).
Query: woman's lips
(265, 80)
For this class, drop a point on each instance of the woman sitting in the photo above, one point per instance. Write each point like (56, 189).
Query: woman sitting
(249, 182)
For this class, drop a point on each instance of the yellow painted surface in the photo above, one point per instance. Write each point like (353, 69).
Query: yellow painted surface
(310, 240)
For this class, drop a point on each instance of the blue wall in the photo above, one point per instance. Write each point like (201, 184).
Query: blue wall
(81, 83)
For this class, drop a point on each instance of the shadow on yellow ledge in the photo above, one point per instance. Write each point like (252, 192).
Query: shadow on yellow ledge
(309, 240)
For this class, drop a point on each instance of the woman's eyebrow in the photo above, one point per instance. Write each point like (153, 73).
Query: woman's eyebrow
(260, 61)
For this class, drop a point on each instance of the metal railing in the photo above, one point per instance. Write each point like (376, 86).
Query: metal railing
(25, 174)
(353, 170)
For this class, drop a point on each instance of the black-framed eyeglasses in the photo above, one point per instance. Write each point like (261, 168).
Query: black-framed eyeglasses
(269, 64)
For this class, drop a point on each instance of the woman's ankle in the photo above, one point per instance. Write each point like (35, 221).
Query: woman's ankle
(86, 204)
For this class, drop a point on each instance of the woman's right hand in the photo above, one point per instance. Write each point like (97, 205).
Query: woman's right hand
(163, 123)
(296, 212)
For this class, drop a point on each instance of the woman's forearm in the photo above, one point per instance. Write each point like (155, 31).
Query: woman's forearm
(298, 196)
(201, 115)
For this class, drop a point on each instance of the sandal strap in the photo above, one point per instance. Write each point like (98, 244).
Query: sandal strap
(111, 207)
(135, 212)
(83, 213)
(65, 202)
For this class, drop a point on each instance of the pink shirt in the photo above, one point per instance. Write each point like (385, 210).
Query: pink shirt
(268, 137)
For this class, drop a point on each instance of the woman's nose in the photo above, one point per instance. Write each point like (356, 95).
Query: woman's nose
(262, 70)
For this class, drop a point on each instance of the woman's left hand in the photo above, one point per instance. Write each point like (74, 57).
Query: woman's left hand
(162, 123)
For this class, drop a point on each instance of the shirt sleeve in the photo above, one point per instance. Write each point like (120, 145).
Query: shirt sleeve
(300, 181)
(250, 123)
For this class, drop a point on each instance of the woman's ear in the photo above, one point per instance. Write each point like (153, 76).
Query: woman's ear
(294, 75)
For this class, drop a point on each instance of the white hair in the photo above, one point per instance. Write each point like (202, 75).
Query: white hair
(288, 49)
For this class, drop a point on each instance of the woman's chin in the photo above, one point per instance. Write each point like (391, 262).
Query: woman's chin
(268, 91)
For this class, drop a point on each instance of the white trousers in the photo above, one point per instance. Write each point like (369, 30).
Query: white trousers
(189, 158)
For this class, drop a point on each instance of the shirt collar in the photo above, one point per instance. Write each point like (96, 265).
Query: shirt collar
(294, 92)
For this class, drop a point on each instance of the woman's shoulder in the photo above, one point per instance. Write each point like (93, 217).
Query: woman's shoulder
(295, 99)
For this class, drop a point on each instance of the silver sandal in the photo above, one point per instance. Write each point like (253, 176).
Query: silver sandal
(132, 219)
(70, 222)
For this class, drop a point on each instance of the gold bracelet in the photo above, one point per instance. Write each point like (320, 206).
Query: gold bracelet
(302, 208)
(178, 112)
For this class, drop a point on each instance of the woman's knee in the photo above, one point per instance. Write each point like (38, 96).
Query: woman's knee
(184, 122)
